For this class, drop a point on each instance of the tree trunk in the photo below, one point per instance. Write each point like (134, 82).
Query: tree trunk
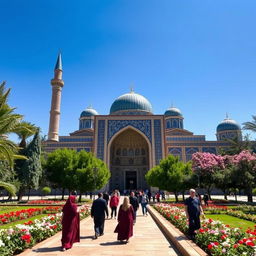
(225, 195)
(28, 194)
(20, 194)
(63, 192)
(176, 197)
(80, 198)
(209, 192)
(235, 196)
(249, 195)
(183, 196)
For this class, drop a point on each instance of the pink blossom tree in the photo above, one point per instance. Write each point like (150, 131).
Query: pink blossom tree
(245, 171)
(205, 165)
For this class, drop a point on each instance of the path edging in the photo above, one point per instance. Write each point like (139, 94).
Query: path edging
(185, 246)
(40, 244)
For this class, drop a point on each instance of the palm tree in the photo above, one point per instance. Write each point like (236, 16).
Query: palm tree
(9, 122)
(8, 187)
(251, 126)
(25, 130)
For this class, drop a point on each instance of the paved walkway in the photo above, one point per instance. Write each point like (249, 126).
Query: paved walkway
(148, 240)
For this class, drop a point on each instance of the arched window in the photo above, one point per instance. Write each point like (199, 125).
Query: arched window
(143, 152)
(168, 124)
(131, 161)
(117, 162)
(130, 152)
(124, 152)
(118, 152)
(137, 152)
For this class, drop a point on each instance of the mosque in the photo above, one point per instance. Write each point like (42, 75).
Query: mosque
(131, 139)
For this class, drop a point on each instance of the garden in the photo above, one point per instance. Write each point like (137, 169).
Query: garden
(22, 227)
(224, 231)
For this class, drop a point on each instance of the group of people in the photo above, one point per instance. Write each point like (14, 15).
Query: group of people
(126, 216)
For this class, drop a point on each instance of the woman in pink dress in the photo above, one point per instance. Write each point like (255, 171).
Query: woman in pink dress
(70, 224)
(125, 221)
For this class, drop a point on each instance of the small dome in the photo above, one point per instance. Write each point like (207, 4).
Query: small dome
(173, 112)
(228, 124)
(89, 112)
(131, 101)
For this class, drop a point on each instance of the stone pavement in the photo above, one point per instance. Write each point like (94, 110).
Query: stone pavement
(147, 240)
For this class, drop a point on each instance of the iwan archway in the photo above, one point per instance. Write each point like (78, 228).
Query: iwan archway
(129, 160)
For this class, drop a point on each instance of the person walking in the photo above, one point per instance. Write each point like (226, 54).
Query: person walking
(206, 199)
(106, 198)
(98, 211)
(70, 224)
(193, 210)
(114, 201)
(124, 229)
(158, 197)
(135, 204)
(144, 202)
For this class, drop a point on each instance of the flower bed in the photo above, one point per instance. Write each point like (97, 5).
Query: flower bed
(242, 215)
(214, 237)
(14, 240)
(46, 202)
(26, 213)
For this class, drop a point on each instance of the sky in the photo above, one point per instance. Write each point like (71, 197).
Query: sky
(199, 55)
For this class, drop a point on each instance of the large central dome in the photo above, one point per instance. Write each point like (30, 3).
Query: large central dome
(131, 104)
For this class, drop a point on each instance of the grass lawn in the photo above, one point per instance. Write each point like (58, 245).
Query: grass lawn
(232, 221)
(22, 221)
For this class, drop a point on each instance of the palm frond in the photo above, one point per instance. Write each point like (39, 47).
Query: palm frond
(8, 187)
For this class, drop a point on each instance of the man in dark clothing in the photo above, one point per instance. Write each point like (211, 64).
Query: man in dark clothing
(193, 210)
(135, 204)
(99, 208)
(106, 198)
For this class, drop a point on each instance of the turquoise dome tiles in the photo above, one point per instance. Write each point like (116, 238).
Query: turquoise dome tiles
(173, 112)
(228, 124)
(89, 112)
(132, 103)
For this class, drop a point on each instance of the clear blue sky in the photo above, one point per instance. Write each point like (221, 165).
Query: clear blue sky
(198, 55)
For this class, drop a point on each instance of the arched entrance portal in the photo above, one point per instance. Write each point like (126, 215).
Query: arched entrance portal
(129, 161)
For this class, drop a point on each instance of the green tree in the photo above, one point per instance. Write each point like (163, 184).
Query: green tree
(68, 169)
(29, 171)
(168, 175)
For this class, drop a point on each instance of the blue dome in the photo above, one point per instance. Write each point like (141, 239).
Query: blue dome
(228, 124)
(131, 101)
(89, 112)
(173, 112)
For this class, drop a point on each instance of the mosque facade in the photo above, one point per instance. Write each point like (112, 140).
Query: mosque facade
(131, 139)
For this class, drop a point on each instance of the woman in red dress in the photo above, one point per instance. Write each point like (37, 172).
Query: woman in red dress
(125, 221)
(70, 224)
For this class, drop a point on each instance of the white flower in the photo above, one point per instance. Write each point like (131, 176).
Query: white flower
(1, 243)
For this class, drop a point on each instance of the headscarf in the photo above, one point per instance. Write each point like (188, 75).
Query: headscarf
(70, 208)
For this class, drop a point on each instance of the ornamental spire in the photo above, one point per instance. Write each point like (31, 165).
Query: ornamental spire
(58, 63)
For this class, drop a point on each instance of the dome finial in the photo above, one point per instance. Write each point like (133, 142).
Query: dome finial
(227, 117)
(132, 88)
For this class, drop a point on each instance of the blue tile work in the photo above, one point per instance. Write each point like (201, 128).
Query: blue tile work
(158, 141)
(101, 135)
(190, 152)
(210, 150)
(116, 125)
(176, 152)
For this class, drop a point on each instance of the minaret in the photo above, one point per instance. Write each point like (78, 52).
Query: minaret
(57, 84)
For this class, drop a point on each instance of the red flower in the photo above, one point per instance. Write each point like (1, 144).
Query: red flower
(236, 245)
(210, 246)
(26, 238)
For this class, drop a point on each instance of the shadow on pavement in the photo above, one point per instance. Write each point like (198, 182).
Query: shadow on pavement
(86, 237)
(48, 249)
(112, 243)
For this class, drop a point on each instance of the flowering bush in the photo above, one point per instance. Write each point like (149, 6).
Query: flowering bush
(214, 237)
(14, 240)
